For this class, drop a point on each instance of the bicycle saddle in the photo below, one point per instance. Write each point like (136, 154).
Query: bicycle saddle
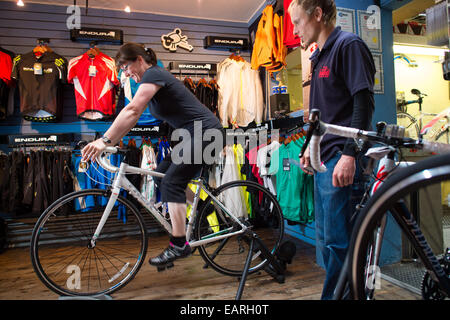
(417, 92)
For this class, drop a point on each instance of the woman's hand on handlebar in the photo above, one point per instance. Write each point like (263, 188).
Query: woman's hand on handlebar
(93, 150)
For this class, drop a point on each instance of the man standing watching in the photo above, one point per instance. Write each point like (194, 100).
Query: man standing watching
(342, 89)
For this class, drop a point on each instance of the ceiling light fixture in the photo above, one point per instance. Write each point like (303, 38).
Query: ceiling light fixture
(20, 3)
(127, 9)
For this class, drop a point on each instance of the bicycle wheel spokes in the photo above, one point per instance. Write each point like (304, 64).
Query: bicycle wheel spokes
(256, 208)
(62, 253)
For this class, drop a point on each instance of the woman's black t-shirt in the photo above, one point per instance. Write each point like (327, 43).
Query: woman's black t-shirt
(175, 104)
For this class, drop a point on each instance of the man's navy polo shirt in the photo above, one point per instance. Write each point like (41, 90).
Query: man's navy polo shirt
(340, 70)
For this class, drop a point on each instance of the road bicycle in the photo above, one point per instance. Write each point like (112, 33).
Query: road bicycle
(79, 247)
(393, 199)
(437, 129)
(412, 125)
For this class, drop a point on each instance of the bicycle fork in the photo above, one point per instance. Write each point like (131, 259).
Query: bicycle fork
(110, 205)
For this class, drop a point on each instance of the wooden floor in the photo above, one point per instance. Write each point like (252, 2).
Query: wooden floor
(187, 280)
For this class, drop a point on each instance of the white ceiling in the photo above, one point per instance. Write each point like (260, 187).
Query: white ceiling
(228, 10)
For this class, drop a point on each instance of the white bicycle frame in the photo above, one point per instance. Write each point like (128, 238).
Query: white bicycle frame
(121, 182)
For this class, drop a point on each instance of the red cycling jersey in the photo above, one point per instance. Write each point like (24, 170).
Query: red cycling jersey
(290, 40)
(5, 68)
(94, 79)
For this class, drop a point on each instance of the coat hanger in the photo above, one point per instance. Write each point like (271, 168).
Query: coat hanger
(42, 47)
(132, 143)
(93, 50)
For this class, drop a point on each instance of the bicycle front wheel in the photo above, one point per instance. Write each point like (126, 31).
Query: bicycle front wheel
(63, 256)
(257, 208)
(416, 191)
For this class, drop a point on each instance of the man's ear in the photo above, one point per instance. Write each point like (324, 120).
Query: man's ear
(318, 14)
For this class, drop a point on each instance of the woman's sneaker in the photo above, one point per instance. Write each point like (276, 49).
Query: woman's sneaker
(170, 254)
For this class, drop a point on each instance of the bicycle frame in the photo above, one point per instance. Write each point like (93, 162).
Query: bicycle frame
(411, 229)
(121, 182)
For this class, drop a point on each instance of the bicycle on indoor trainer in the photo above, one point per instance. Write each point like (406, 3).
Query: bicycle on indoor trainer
(80, 248)
(361, 268)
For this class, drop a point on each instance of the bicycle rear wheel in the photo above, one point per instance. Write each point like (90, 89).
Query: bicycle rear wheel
(257, 208)
(409, 123)
(412, 189)
(61, 253)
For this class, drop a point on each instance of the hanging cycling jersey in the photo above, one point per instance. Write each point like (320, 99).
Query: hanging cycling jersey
(94, 78)
(40, 78)
(290, 39)
(5, 83)
(295, 189)
(130, 88)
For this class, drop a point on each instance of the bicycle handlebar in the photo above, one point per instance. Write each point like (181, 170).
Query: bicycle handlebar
(104, 163)
(392, 138)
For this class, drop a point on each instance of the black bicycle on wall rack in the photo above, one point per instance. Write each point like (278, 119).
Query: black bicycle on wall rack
(361, 273)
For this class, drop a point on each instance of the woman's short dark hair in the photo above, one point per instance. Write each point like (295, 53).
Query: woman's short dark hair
(130, 52)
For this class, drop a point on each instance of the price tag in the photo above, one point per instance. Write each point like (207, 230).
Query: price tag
(286, 164)
(92, 71)
(37, 69)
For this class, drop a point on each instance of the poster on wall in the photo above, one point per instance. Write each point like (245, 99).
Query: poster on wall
(379, 75)
(346, 19)
(372, 36)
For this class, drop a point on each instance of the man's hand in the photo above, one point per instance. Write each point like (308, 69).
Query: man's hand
(93, 150)
(306, 162)
(344, 172)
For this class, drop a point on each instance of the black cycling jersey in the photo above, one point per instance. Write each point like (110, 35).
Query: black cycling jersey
(39, 82)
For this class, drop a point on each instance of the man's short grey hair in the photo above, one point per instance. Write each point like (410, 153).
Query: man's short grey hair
(328, 8)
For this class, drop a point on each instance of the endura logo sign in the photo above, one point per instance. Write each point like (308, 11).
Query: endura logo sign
(36, 139)
(98, 34)
(224, 41)
(195, 66)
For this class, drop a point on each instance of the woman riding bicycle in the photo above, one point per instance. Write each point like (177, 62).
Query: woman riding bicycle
(172, 102)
